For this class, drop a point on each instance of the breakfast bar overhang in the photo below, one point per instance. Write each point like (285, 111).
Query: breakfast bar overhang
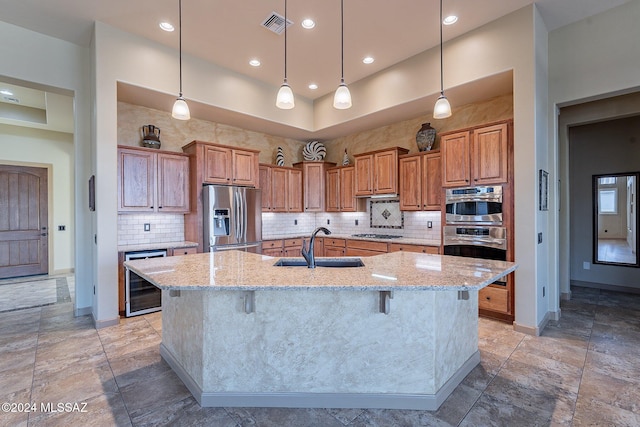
(401, 332)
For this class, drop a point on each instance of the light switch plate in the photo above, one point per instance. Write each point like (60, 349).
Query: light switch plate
(147, 227)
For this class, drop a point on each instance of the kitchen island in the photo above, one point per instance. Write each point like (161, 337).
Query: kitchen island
(400, 332)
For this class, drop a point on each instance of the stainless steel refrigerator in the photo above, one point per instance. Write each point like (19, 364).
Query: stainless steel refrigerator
(232, 218)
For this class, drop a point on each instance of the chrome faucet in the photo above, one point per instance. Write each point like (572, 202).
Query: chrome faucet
(308, 253)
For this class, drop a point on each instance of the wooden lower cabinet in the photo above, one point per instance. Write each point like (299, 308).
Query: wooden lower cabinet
(182, 251)
(497, 301)
(292, 248)
(334, 247)
(272, 247)
(365, 248)
(401, 247)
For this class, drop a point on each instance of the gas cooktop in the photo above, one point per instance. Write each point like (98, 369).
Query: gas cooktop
(377, 236)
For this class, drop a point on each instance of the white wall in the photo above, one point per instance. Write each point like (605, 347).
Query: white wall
(591, 59)
(21, 145)
(64, 68)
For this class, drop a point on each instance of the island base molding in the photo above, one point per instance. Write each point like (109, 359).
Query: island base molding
(428, 402)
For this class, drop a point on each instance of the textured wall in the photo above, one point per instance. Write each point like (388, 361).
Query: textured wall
(176, 133)
(403, 134)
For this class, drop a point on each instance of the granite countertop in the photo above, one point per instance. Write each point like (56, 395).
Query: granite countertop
(156, 246)
(402, 240)
(236, 270)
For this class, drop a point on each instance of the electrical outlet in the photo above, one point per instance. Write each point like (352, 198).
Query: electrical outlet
(429, 224)
(328, 221)
(295, 222)
(62, 227)
(356, 222)
(147, 227)
(586, 265)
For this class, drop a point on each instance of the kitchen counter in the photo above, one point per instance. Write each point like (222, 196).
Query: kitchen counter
(400, 332)
(403, 240)
(157, 246)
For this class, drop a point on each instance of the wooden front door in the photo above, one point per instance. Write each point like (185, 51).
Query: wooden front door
(23, 221)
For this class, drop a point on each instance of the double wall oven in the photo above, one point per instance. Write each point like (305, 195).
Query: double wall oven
(474, 224)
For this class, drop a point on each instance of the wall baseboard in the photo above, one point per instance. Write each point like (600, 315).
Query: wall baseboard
(537, 330)
(83, 311)
(99, 324)
(605, 287)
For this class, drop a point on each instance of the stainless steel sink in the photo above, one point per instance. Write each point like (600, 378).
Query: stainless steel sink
(320, 262)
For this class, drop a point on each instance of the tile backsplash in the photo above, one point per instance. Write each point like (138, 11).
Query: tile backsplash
(163, 228)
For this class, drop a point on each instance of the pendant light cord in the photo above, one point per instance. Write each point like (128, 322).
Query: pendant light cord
(180, 41)
(441, 61)
(342, 41)
(285, 41)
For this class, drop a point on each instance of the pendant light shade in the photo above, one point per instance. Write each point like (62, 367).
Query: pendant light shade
(342, 98)
(442, 109)
(285, 99)
(180, 109)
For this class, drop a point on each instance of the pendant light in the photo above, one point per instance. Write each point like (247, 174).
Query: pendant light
(180, 108)
(442, 109)
(342, 98)
(285, 100)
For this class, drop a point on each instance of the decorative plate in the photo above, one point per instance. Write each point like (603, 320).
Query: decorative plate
(314, 151)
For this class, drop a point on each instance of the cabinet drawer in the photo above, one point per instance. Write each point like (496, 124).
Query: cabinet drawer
(494, 298)
(335, 242)
(292, 242)
(395, 247)
(271, 244)
(185, 251)
(367, 245)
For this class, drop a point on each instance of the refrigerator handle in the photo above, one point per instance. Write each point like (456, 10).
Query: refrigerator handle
(236, 214)
(243, 235)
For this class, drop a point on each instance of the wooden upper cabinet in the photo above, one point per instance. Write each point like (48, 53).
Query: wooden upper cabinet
(313, 175)
(377, 172)
(227, 165)
(152, 181)
(332, 200)
(136, 180)
(264, 183)
(279, 189)
(294, 187)
(479, 156)
(456, 170)
(244, 167)
(420, 181)
(173, 183)
(364, 174)
(489, 154)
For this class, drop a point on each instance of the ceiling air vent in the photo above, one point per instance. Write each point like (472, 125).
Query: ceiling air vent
(275, 23)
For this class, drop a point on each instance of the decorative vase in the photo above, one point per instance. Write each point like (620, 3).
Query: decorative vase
(314, 151)
(425, 137)
(150, 136)
(345, 158)
(280, 157)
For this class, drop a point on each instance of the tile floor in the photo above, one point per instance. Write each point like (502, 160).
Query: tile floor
(583, 370)
(615, 250)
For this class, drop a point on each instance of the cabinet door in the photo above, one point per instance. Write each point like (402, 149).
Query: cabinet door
(386, 172)
(173, 183)
(333, 251)
(244, 167)
(364, 175)
(332, 202)
(314, 187)
(348, 200)
(318, 247)
(264, 183)
(279, 189)
(489, 153)
(410, 183)
(294, 196)
(217, 165)
(431, 182)
(136, 181)
(455, 159)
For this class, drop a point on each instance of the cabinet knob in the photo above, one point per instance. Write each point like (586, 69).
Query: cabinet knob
(150, 207)
(159, 207)
(488, 298)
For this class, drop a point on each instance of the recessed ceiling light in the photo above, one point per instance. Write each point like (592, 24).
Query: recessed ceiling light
(313, 86)
(449, 20)
(368, 60)
(308, 23)
(166, 26)
(6, 92)
(254, 63)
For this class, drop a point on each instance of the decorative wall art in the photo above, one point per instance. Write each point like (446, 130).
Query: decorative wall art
(314, 151)
(543, 190)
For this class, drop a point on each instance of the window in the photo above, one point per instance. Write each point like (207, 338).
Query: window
(608, 201)
(608, 180)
